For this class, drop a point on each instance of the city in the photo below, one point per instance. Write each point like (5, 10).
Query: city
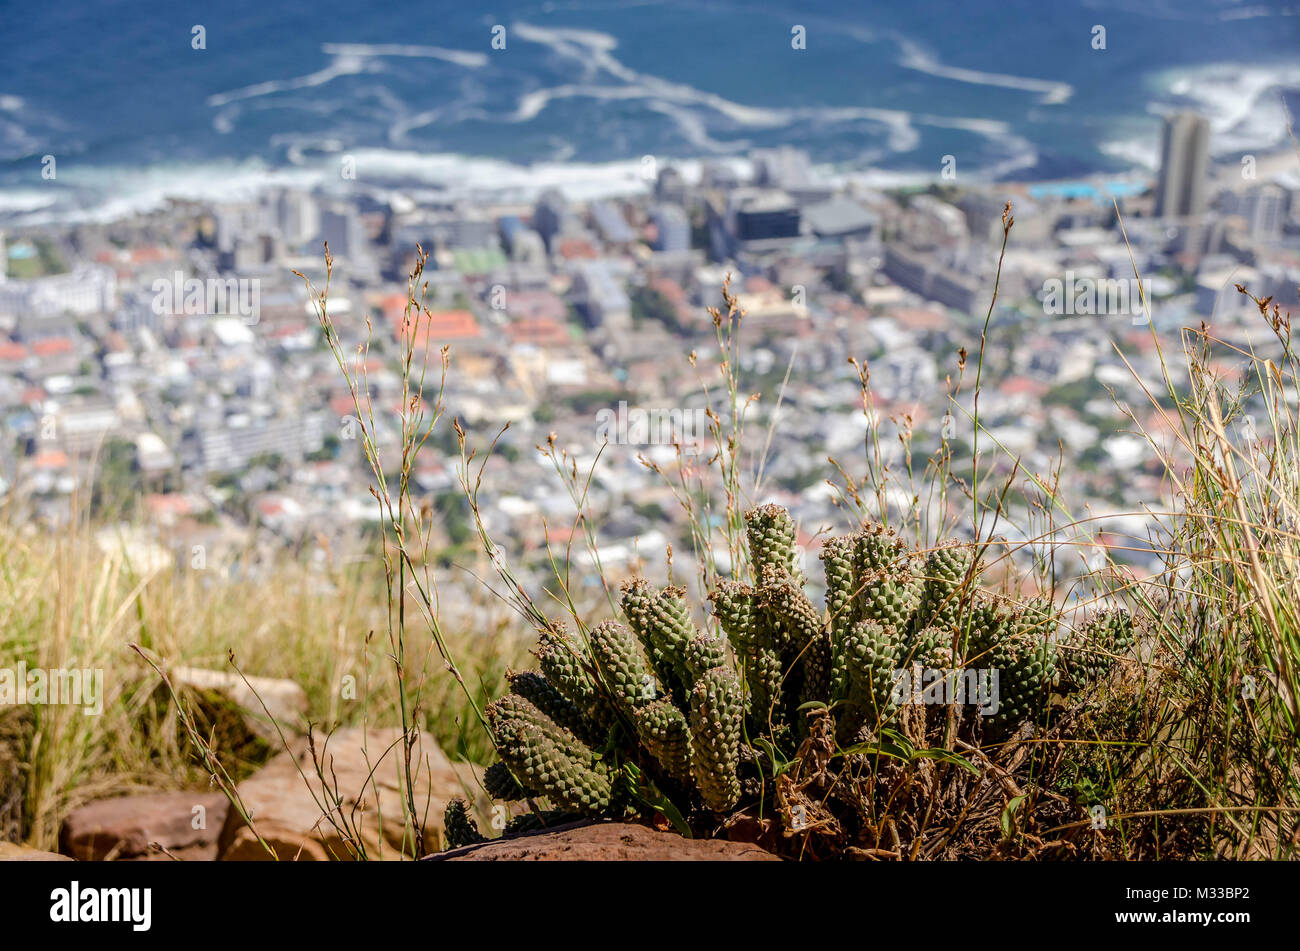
(169, 369)
(602, 431)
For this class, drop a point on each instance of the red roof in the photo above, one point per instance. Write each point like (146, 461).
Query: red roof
(571, 248)
(392, 306)
(270, 506)
(669, 288)
(444, 326)
(50, 459)
(52, 347)
(542, 332)
(526, 304)
(1018, 385)
(559, 534)
(168, 503)
(12, 351)
(152, 253)
(343, 406)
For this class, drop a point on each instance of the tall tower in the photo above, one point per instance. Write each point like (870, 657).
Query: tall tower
(1184, 162)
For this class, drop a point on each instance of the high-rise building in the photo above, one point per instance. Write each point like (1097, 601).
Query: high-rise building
(343, 230)
(298, 217)
(673, 228)
(600, 294)
(1264, 209)
(781, 167)
(1184, 162)
(670, 186)
(553, 218)
(611, 224)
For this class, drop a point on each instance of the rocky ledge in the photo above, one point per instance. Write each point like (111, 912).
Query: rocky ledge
(605, 842)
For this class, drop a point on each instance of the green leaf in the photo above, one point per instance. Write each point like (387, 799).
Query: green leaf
(653, 797)
(947, 756)
(1008, 813)
(880, 749)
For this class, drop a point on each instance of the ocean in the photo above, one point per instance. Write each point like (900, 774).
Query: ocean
(578, 94)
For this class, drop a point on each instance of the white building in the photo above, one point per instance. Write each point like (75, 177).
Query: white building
(81, 292)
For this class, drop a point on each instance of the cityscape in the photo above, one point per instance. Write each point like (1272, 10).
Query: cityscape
(173, 360)
(600, 431)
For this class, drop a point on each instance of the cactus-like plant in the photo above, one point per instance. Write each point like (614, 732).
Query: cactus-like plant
(459, 825)
(658, 711)
(715, 737)
(1108, 635)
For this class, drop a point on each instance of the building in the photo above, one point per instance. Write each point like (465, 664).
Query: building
(672, 229)
(601, 297)
(342, 229)
(84, 426)
(841, 218)
(297, 217)
(233, 446)
(670, 186)
(926, 275)
(469, 230)
(553, 219)
(959, 291)
(81, 292)
(522, 244)
(610, 223)
(1265, 211)
(782, 167)
(152, 455)
(765, 216)
(1184, 163)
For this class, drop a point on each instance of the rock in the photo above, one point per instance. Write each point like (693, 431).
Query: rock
(13, 852)
(16, 728)
(287, 810)
(122, 828)
(286, 701)
(607, 842)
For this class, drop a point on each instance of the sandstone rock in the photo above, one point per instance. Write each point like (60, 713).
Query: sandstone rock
(16, 728)
(368, 777)
(123, 828)
(13, 852)
(286, 700)
(607, 842)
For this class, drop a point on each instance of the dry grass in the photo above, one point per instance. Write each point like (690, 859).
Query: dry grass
(64, 603)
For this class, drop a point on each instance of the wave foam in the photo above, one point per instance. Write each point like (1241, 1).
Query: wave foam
(915, 58)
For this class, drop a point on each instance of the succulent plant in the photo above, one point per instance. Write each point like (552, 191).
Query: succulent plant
(663, 729)
(500, 785)
(872, 653)
(661, 714)
(459, 826)
(1107, 635)
(715, 737)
